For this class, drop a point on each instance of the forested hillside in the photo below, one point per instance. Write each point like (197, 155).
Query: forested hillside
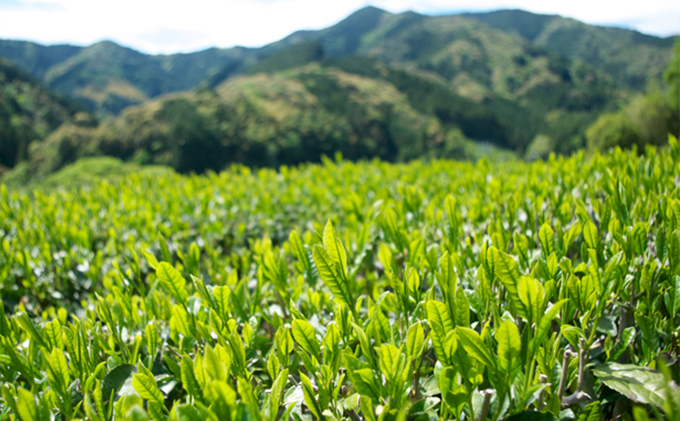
(357, 106)
(28, 112)
(375, 85)
(630, 57)
(472, 51)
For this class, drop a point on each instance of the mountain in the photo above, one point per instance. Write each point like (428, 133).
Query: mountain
(29, 112)
(107, 77)
(35, 58)
(502, 52)
(377, 84)
(630, 57)
(346, 37)
(264, 119)
(358, 106)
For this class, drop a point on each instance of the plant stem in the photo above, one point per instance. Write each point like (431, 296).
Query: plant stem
(485, 405)
(565, 372)
(541, 396)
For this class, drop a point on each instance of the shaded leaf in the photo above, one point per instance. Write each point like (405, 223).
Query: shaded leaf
(115, 379)
(639, 384)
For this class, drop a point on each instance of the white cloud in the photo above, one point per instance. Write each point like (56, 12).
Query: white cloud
(163, 27)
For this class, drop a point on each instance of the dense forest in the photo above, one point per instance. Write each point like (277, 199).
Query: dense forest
(28, 111)
(376, 85)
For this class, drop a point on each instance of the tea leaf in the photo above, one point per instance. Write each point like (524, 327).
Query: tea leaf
(172, 281)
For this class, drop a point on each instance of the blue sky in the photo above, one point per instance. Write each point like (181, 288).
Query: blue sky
(155, 26)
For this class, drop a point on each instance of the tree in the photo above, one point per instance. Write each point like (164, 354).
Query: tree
(672, 78)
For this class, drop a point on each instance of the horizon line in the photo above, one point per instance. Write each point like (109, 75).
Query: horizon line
(452, 12)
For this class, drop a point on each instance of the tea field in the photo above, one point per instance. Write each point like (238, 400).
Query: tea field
(355, 291)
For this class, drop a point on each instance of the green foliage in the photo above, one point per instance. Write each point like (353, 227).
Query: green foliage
(355, 106)
(261, 120)
(631, 58)
(441, 289)
(672, 79)
(646, 120)
(288, 58)
(85, 171)
(459, 86)
(109, 77)
(28, 112)
(639, 384)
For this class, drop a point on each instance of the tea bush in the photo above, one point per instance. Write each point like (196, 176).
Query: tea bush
(361, 291)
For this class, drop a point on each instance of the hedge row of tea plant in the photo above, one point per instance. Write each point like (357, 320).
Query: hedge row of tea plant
(358, 291)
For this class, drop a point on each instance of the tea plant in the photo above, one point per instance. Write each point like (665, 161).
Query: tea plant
(374, 291)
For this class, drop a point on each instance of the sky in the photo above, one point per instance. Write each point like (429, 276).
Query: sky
(163, 27)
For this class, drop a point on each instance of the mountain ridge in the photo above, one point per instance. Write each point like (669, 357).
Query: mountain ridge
(135, 76)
